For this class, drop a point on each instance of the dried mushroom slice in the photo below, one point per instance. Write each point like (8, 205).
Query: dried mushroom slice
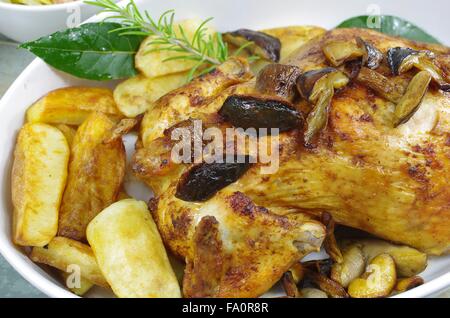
(278, 80)
(202, 181)
(402, 60)
(411, 100)
(330, 244)
(326, 81)
(383, 86)
(408, 261)
(352, 266)
(259, 43)
(289, 285)
(372, 57)
(246, 111)
(339, 52)
(378, 280)
(306, 81)
(329, 286)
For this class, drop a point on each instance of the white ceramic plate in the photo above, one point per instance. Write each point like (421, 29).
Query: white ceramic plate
(38, 79)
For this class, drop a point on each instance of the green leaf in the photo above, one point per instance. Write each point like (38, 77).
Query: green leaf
(91, 51)
(390, 25)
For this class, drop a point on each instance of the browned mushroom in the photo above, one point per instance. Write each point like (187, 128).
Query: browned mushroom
(330, 243)
(352, 267)
(378, 280)
(289, 285)
(339, 52)
(319, 87)
(383, 86)
(259, 43)
(278, 80)
(329, 286)
(202, 181)
(247, 111)
(411, 100)
(402, 60)
(372, 57)
(408, 261)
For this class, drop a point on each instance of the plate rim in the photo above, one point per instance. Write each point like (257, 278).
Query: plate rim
(15, 258)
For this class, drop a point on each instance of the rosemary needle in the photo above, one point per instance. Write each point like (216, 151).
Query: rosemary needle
(207, 50)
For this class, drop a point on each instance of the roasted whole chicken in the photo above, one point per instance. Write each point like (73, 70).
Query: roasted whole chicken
(371, 148)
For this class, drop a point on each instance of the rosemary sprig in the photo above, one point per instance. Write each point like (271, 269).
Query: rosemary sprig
(207, 50)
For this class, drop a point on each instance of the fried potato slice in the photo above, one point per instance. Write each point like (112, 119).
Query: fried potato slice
(293, 37)
(72, 105)
(130, 252)
(84, 285)
(68, 131)
(62, 252)
(138, 94)
(152, 63)
(38, 179)
(96, 172)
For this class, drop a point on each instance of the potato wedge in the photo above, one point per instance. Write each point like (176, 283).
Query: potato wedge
(137, 94)
(84, 285)
(152, 64)
(68, 131)
(130, 252)
(72, 105)
(408, 260)
(293, 37)
(378, 280)
(62, 252)
(38, 179)
(96, 172)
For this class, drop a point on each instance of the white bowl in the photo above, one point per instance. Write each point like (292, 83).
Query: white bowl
(38, 79)
(24, 23)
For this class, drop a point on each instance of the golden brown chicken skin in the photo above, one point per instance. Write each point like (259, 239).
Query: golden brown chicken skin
(391, 182)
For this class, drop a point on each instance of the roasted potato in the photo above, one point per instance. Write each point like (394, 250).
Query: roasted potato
(152, 64)
(378, 280)
(62, 252)
(38, 179)
(82, 285)
(130, 252)
(96, 172)
(72, 105)
(68, 131)
(408, 260)
(135, 95)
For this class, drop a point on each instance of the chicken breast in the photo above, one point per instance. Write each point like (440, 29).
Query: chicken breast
(388, 181)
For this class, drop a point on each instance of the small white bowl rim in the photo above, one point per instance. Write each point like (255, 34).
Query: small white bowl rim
(38, 8)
